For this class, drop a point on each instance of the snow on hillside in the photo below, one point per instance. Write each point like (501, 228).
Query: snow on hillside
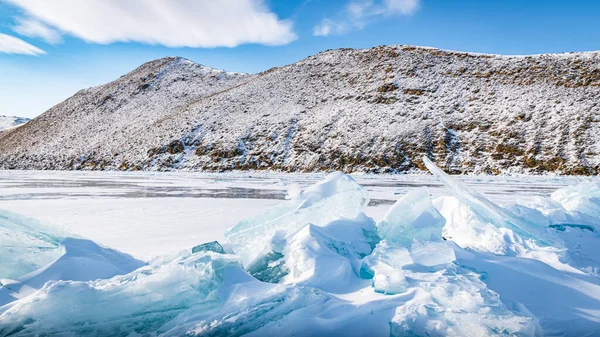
(317, 265)
(371, 110)
(10, 122)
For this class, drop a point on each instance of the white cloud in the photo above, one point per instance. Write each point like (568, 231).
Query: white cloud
(405, 7)
(172, 23)
(12, 45)
(35, 29)
(327, 27)
(358, 13)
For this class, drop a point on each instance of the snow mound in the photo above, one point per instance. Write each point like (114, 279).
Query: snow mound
(584, 198)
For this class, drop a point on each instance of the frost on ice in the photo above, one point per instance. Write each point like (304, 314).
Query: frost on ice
(317, 265)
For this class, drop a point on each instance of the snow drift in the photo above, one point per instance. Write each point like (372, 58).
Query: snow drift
(317, 265)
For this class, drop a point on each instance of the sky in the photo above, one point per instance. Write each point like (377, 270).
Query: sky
(50, 49)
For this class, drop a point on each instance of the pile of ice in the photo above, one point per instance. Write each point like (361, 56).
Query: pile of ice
(317, 265)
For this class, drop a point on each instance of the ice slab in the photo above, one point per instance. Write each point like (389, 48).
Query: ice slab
(384, 267)
(26, 244)
(432, 254)
(583, 198)
(141, 301)
(338, 196)
(489, 212)
(82, 260)
(329, 257)
(413, 217)
(212, 246)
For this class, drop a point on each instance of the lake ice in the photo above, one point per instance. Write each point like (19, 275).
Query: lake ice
(101, 253)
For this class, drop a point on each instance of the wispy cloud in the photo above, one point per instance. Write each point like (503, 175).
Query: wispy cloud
(13, 45)
(172, 23)
(32, 28)
(359, 13)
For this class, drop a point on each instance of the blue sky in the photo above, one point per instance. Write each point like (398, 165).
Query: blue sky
(51, 49)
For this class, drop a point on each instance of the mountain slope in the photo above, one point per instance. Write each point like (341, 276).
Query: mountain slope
(374, 110)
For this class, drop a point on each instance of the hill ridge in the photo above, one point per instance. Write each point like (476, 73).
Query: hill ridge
(366, 110)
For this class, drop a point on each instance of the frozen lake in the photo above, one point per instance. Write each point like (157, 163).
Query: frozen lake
(147, 214)
(522, 262)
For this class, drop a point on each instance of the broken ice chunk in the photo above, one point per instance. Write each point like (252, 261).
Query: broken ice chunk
(26, 244)
(338, 196)
(388, 281)
(384, 267)
(583, 198)
(141, 301)
(455, 302)
(83, 260)
(489, 212)
(431, 254)
(329, 257)
(213, 246)
(412, 217)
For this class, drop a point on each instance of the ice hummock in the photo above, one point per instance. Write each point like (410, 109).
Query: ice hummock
(583, 198)
(26, 244)
(82, 260)
(413, 217)
(141, 301)
(492, 213)
(338, 196)
(456, 302)
(329, 257)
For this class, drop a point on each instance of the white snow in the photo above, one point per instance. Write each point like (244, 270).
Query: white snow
(11, 122)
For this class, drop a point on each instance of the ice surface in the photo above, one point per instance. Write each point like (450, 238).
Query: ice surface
(413, 217)
(26, 244)
(338, 196)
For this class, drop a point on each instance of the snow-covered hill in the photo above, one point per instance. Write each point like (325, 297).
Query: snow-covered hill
(374, 110)
(10, 122)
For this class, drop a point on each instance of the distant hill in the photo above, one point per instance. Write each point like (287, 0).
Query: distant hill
(10, 122)
(371, 110)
